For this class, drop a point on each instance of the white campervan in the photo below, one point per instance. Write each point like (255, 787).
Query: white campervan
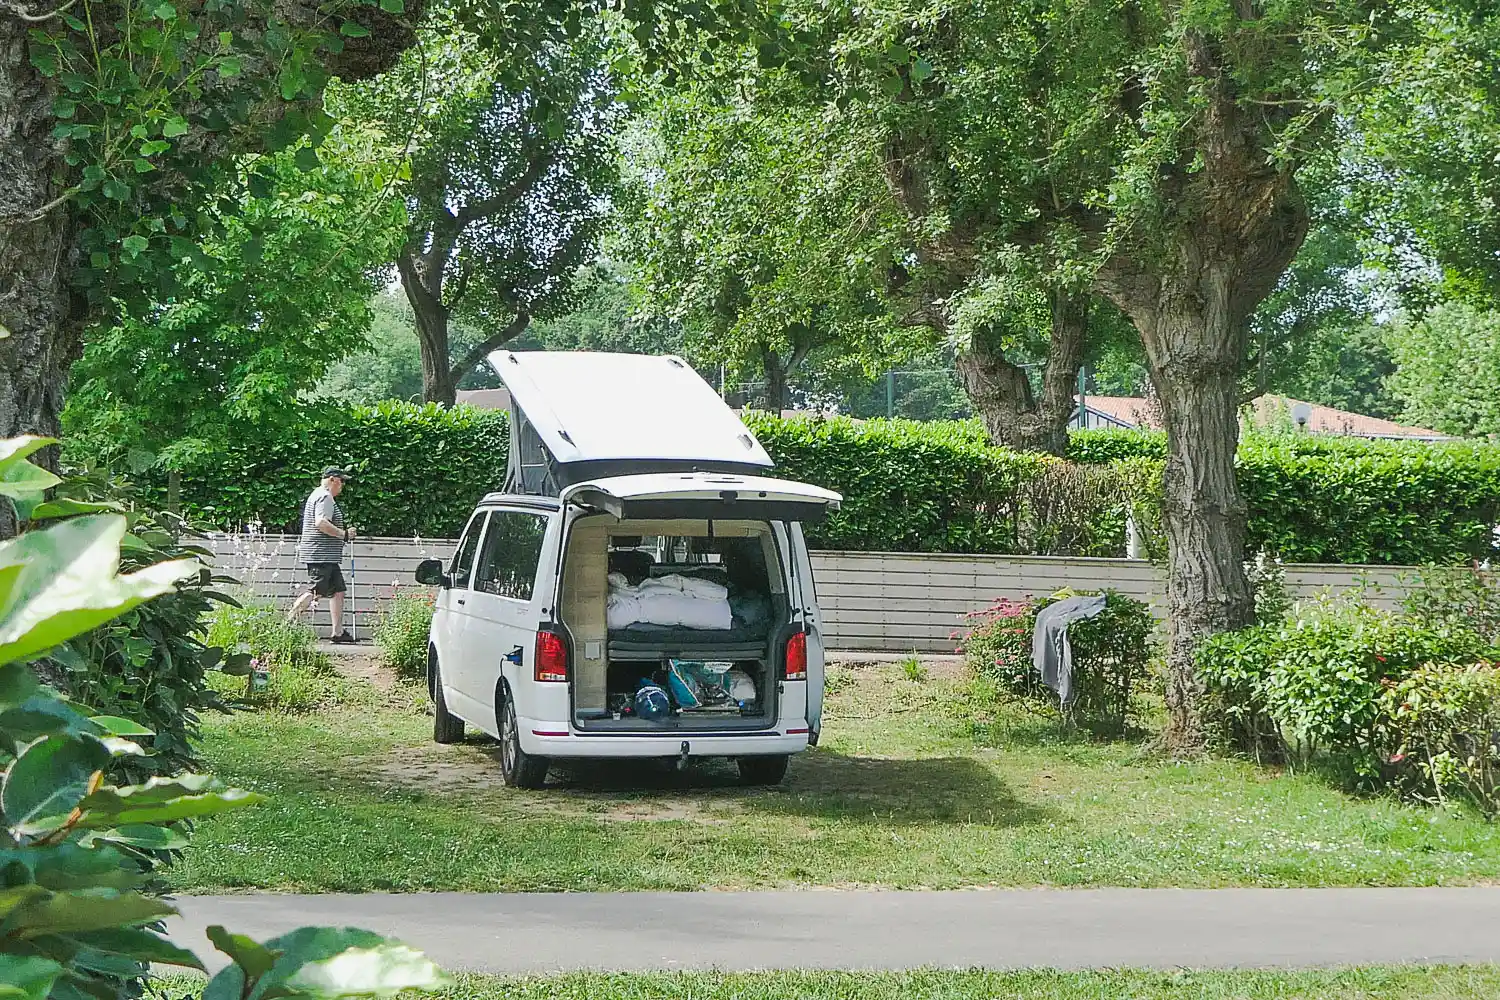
(639, 588)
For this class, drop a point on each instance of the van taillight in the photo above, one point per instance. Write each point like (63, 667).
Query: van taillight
(551, 658)
(796, 657)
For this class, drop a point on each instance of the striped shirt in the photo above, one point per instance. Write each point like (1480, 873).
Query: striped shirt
(314, 546)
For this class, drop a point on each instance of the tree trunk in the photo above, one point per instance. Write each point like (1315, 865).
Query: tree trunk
(438, 384)
(1203, 511)
(36, 257)
(1001, 391)
(1191, 304)
(775, 394)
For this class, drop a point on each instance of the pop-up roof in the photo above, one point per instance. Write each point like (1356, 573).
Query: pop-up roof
(577, 415)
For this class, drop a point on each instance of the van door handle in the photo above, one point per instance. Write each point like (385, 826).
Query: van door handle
(461, 601)
(515, 655)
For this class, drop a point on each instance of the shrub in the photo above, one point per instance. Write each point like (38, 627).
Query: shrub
(1311, 685)
(149, 664)
(419, 470)
(1111, 654)
(1459, 595)
(1446, 720)
(402, 634)
(908, 487)
(298, 678)
(79, 850)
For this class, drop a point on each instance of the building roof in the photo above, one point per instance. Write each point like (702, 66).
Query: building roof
(1133, 411)
(484, 399)
(595, 407)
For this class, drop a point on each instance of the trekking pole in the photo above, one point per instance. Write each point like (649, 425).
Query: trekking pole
(353, 590)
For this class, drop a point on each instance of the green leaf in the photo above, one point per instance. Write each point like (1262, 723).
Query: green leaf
(251, 956)
(61, 582)
(379, 971)
(89, 910)
(116, 726)
(174, 127)
(116, 190)
(143, 166)
(165, 12)
(352, 29)
(22, 480)
(182, 807)
(27, 977)
(139, 944)
(151, 838)
(64, 107)
(307, 159)
(392, 6)
(921, 70)
(135, 245)
(229, 67)
(48, 779)
(67, 507)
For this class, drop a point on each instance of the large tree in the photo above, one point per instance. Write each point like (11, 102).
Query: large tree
(1147, 151)
(509, 180)
(763, 240)
(123, 121)
(256, 318)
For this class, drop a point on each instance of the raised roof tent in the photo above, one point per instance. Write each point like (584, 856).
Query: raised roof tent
(578, 415)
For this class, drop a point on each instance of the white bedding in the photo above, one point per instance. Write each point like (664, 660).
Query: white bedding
(668, 600)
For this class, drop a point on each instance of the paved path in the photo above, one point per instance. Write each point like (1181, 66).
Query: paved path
(1072, 929)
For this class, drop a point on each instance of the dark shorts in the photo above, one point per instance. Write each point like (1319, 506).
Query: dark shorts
(325, 579)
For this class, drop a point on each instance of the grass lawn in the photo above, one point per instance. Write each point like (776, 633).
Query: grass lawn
(905, 792)
(1408, 983)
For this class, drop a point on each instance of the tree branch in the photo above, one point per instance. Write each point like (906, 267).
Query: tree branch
(35, 18)
(478, 352)
(486, 207)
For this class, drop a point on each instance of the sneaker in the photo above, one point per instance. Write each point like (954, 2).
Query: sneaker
(343, 638)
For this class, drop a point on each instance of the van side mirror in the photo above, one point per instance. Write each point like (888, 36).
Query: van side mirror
(430, 572)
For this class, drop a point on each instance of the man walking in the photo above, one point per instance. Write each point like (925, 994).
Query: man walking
(321, 548)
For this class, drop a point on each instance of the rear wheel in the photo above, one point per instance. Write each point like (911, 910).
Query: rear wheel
(519, 768)
(446, 728)
(765, 770)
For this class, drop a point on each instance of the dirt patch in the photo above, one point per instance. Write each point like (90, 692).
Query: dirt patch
(707, 792)
(362, 663)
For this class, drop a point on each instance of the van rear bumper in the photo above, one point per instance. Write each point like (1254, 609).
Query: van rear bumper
(546, 739)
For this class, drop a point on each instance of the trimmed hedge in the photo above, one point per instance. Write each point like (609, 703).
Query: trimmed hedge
(913, 487)
(418, 470)
(907, 486)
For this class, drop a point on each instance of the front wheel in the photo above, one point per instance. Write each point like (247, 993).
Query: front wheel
(446, 728)
(519, 768)
(766, 770)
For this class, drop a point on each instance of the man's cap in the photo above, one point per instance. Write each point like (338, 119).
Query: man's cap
(334, 472)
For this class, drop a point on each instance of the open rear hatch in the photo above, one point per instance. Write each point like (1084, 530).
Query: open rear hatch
(727, 544)
(710, 496)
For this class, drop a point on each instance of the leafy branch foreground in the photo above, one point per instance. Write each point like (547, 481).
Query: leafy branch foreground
(77, 853)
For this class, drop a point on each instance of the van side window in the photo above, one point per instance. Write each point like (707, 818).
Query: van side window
(463, 557)
(512, 549)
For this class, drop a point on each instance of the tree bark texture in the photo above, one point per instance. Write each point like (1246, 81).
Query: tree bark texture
(424, 290)
(1190, 286)
(36, 256)
(1014, 415)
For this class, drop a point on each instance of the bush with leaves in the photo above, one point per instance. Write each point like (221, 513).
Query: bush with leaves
(1311, 685)
(1459, 595)
(150, 664)
(1445, 719)
(402, 634)
(78, 851)
(1111, 656)
(908, 487)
